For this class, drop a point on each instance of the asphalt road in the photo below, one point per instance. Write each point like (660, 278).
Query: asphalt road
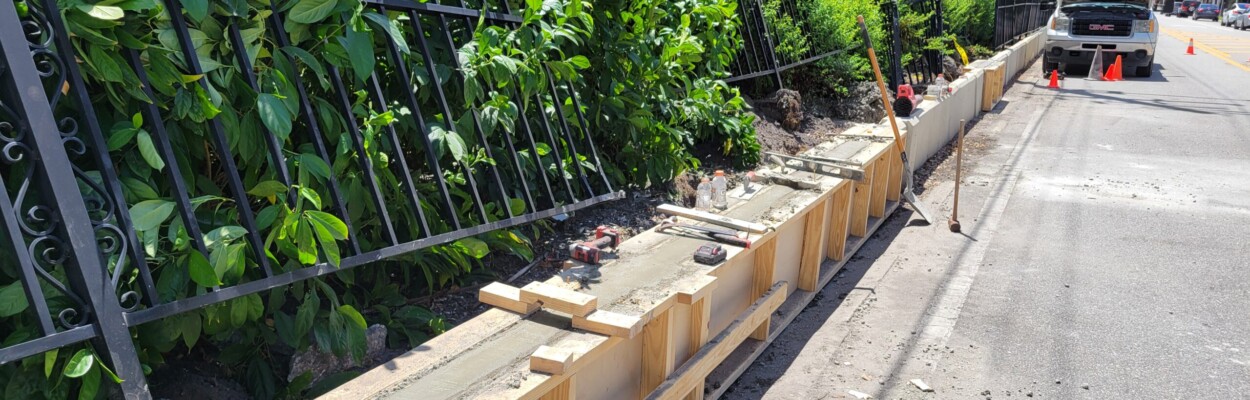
(1106, 255)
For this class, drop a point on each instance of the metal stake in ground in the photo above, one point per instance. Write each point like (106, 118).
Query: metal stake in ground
(908, 195)
(959, 163)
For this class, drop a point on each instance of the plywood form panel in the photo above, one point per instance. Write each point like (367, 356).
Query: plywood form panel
(839, 222)
(813, 240)
(859, 204)
(762, 279)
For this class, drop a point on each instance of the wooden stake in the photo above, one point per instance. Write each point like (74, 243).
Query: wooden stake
(959, 161)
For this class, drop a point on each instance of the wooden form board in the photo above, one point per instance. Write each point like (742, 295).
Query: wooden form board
(995, 76)
(646, 324)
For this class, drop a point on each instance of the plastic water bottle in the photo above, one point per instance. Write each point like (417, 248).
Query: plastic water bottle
(703, 195)
(719, 187)
(940, 85)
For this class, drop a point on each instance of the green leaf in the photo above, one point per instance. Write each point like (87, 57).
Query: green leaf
(359, 52)
(90, 385)
(49, 362)
(311, 196)
(137, 120)
(310, 61)
(306, 314)
(307, 245)
(191, 325)
(148, 150)
(107, 13)
(476, 247)
(315, 165)
(266, 216)
(201, 272)
(238, 311)
(197, 9)
(255, 306)
(276, 117)
(267, 189)
(138, 188)
(442, 138)
(311, 11)
(12, 300)
(581, 62)
(389, 27)
(352, 316)
(79, 364)
(326, 240)
(104, 63)
(150, 214)
(224, 235)
(336, 227)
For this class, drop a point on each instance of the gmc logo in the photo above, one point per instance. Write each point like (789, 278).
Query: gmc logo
(1103, 27)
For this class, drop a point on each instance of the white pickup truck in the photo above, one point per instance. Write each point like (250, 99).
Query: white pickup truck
(1121, 27)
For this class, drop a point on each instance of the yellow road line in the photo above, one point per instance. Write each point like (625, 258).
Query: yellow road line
(1209, 50)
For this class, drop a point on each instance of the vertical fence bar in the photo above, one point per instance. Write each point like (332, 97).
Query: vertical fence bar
(314, 130)
(558, 105)
(401, 71)
(504, 197)
(84, 267)
(219, 140)
(363, 161)
(401, 162)
(428, 58)
(249, 75)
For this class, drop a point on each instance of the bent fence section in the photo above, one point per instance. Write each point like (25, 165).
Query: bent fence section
(67, 229)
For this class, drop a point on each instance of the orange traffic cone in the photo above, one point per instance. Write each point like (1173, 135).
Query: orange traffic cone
(1054, 79)
(1190, 50)
(1119, 69)
(1110, 74)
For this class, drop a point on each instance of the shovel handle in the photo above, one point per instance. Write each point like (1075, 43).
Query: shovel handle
(885, 94)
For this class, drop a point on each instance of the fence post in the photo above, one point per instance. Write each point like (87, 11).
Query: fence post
(771, 54)
(896, 44)
(73, 234)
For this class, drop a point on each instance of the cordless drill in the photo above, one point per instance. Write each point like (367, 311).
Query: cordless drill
(589, 252)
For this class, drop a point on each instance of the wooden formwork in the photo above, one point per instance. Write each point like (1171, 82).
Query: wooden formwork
(650, 322)
(995, 82)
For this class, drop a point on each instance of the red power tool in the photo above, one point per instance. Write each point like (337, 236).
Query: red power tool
(589, 252)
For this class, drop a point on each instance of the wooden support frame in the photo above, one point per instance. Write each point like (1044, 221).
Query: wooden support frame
(608, 323)
(880, 183)
(505, 297)
(860, 202)
(762, 279)
(894, 189)
(566, 390)
(700, 315)
(695, 370)
(813, 241)
(657, 351)
(839, 222)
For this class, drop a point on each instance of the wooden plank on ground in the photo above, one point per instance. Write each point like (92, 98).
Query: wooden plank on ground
(608, 323)
(550, 360)
(695, 370)
(695, 288)
(657, 351)
(506, 297)
(813, 240)
(839, 219)
(560, 299)
(762, 278)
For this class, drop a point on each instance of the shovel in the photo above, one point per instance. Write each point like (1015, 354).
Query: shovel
(908, 196)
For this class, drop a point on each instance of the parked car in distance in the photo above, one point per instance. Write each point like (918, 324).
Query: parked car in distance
(1187, 8)
(1237, 16)
(1176, 9)
(1207, 11)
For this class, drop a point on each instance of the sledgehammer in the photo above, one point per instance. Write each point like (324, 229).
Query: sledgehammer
(959, 161)
(908, 195)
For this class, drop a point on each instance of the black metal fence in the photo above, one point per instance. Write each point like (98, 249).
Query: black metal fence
(907, 56)
(67, 233)
(1014, 19)
(760, 55)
